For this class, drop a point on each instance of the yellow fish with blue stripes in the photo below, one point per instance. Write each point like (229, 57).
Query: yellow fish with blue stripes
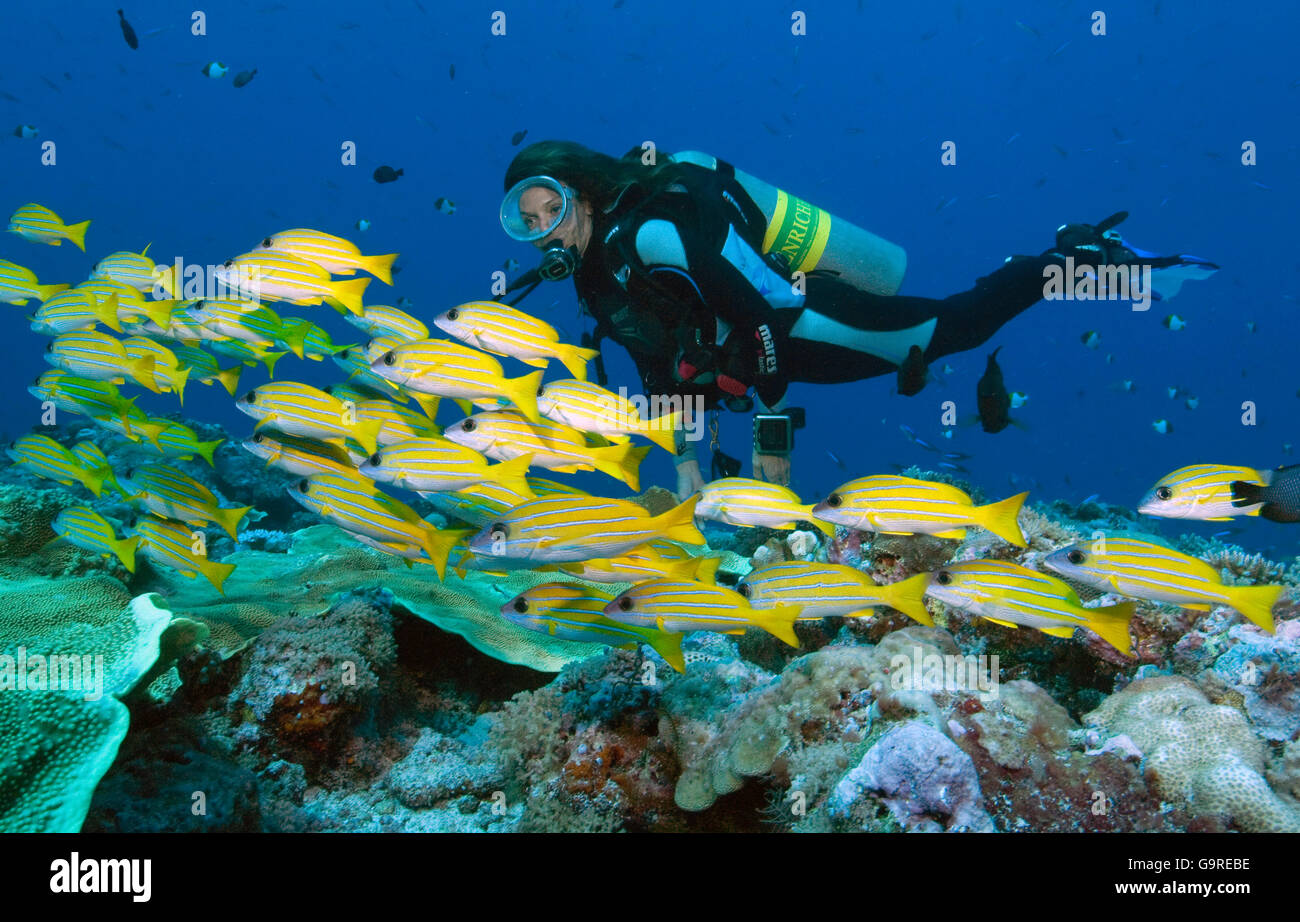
(74, 310)
(312, 340)
(824, 590)
(18, 285)
(134, 269)
(334, 254)
(100, 357)
(169, 493)
(46, 458)
(304, 457)
(504, 330)
(437, 465)
(169, 376)
(894, 505)
(1015, 596)
(41, 225)
(484, 503)
(92, 458)
(686, 605)
(386, 320)
(657, 559)
(1200, 491)
(560, 529)
(1146, 570)
(506, 434)
(447, 369)
(275, 276)
(300, 409)
(755, 503)
(591, 408)
(175, 545)
(90, 531)
(570, 612)
(204, 368)
(357, 506)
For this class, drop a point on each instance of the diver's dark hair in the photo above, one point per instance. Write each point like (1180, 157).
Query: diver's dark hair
(599, 178)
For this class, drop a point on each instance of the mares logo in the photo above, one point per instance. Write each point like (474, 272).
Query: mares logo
(766, 361)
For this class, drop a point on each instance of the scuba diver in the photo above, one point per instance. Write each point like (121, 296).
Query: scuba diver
(717, 284)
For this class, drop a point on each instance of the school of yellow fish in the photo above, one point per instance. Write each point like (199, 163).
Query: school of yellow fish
(377, 427)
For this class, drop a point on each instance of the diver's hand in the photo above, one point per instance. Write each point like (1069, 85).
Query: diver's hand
(772, 468)
(689, 480)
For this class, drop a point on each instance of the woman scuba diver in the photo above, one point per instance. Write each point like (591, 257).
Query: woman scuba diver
(716, 283)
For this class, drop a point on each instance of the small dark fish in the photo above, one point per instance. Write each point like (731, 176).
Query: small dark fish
(1090, 499)
(924, 444)
(55, 87)
(1059, 48)
(244, 76)
(315, 73)
(451, 72)
(771, 130)
(1259, 185)
(957, 456)
(992, 398)
(445, 205)
(517, 137)
(926, 36)
(944, 203)
(9, 96)
(1062, 151)
(838, 463)
(913, 373)
(387, 174)
(127, 32)
(349, 26)
(1280, 495)
(949, 466)
(911, 433)
(1226, 533)
(1030, 29)
(1042, 181)
(618, 4)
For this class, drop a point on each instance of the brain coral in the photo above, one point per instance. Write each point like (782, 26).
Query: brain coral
(1197, 753)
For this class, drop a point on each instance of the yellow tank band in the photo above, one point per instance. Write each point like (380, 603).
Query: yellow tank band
(799, 230)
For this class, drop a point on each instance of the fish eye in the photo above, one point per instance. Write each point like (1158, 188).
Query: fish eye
(499, 531)
(1164, 493)
(49, 347)
(389, 358)
(943, 577)
(267, 243)
(228, 263)
(625, 604)
(303, 485)
(834, 500)
(468, 425)
(541, 390)
(744, 590)
(453, 314)
(375, 460)
(257, 437)
(1075, 556)
(521, 606)
(250, 397)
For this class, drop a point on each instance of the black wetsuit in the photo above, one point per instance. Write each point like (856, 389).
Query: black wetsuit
(663, 311)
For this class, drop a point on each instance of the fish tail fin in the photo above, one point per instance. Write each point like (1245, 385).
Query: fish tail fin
(1001, 519)
(669, 645)
(230, 518)
(512, 474)
(348, 294)
(779, 621)
(141, 371)
(622, 462)
(160, 312)
(1256, 603)
(1111, 624)
(366, 432)
(908, 596)
(205, 449)
(826, 528)
(230, 379)
(575, 358)
(150, 429)
(438, 544)
(523, 394)
(662, 430)
(77, 234)
(428, 403)
(45, 292)
(706, 570)
(178, 378)
(106, 312)
(295, 339)
(92, 478)
(381, 267)
(124, 549)
(678, 523)
(215, 572)
(269, 359)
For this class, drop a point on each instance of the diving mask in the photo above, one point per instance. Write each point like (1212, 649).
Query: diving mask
(543, 211)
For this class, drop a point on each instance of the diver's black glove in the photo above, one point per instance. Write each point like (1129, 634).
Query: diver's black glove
(1094, 244)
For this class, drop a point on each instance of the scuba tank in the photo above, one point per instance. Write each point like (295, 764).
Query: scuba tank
(809, 238)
